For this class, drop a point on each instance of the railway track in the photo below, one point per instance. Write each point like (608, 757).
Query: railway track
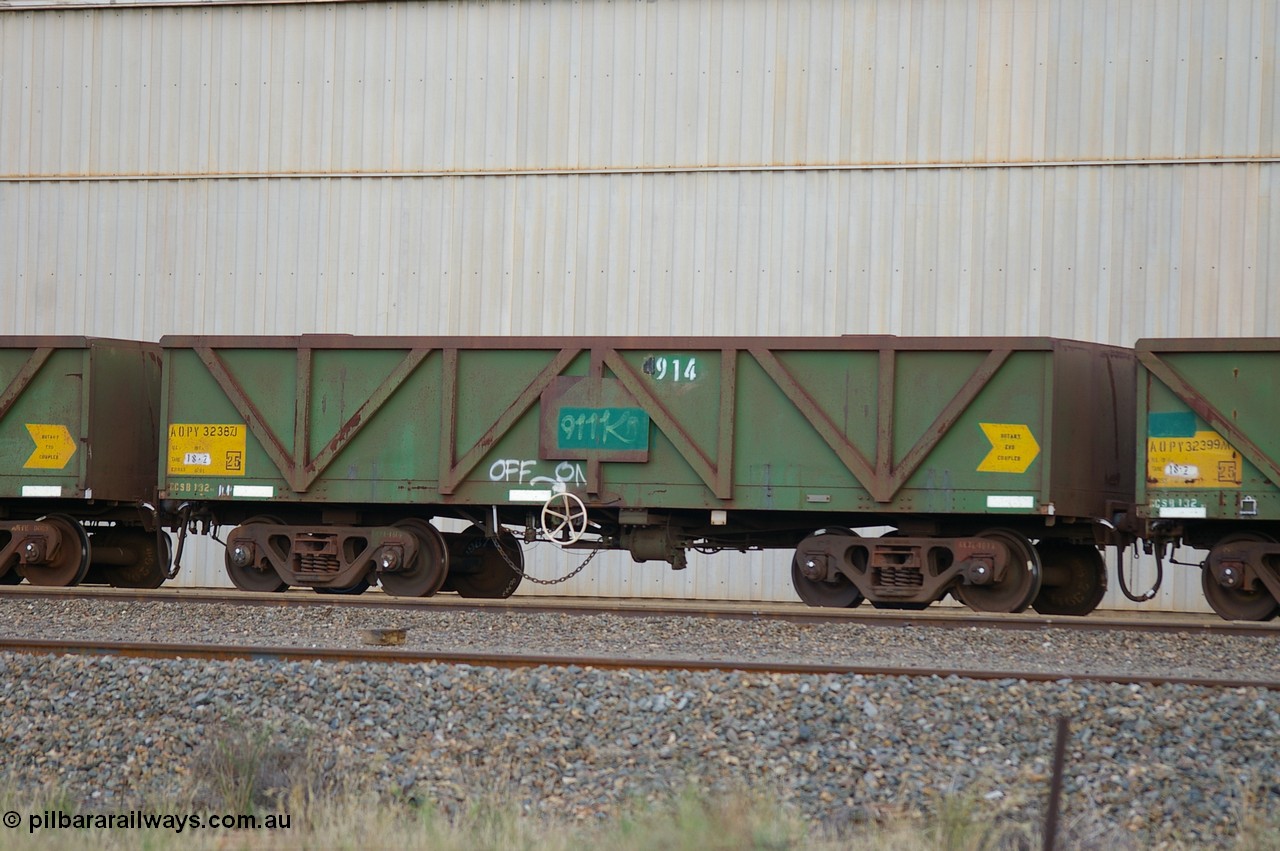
(641, 635)
(939, 617)
(224, 652)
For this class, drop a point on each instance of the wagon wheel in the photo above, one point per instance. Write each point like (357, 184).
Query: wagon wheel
(564, 519)
(426, 574)
(838, 593)
(254, 577)
(1085, 572)
(355, 589)
(151, 558)
(496, 579)
(1237, 604)
(70, 564)
(1021, 580)
(10, 576)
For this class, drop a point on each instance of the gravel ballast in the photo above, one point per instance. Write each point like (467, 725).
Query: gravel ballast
(1164, 763)
(1145, 764)
(1052, 649)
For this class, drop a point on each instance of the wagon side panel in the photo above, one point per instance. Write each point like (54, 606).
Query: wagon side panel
(1209, 447)
(44, 442)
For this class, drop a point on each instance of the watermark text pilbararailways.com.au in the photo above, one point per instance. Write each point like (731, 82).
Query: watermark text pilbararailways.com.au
(139, 820)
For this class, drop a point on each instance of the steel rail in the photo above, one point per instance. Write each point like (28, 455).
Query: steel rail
(942, 618)
(384, 655)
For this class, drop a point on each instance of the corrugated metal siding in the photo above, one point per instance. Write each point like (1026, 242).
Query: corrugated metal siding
(303, 156)
(1104, 253)
(598, 85)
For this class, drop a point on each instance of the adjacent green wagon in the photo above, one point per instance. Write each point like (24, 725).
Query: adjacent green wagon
(1209, 463)
(79, 422)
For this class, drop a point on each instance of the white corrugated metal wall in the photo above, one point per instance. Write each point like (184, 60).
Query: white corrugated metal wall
(1107, 253)
(1101, 170)
(480, 86)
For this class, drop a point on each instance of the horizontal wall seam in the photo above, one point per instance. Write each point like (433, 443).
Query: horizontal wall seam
(165, 4)
(594, 172)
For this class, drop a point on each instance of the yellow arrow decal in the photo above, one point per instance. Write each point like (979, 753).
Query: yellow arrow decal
(1013, 448)
(54, 447)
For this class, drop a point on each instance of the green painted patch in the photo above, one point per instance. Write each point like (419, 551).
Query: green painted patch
(1177, 424)
(603, 428)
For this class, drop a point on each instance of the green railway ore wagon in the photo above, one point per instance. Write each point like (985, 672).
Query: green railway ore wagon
(992, 459)
(1209, 463)
(79, 426)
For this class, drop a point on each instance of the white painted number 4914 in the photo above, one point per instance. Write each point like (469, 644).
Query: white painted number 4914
(677, 368)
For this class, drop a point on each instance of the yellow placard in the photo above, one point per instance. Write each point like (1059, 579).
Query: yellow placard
(1204, 460)
(206, 449)
(54, 446)
(1013, 448)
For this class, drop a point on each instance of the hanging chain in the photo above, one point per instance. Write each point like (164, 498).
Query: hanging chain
(519, 571)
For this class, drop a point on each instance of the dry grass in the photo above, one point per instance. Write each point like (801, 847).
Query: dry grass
(259, 771)
(689, 823)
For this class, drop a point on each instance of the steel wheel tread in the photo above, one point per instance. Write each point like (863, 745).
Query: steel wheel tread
(496, 579)
(838, 594)
(149, 571)
(1088, 585)
(253, 578)
(74, 555)
(353, 590)
(1021, 581)
(427, 573)
(1236, 604)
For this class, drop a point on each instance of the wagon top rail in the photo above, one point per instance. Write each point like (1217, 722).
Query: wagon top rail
(847, 342)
